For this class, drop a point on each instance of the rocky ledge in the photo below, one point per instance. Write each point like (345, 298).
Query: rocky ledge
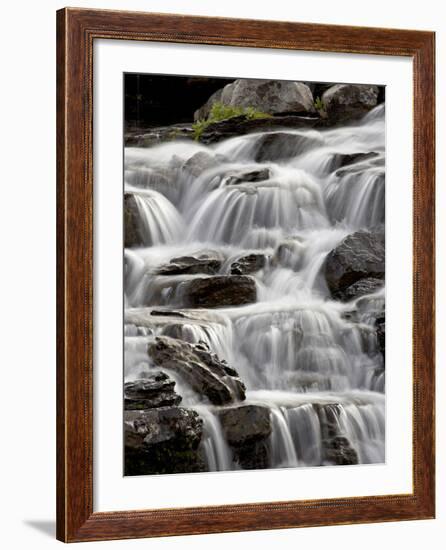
(206, 262)
(153, 391)
(248, 264)
(201, 369)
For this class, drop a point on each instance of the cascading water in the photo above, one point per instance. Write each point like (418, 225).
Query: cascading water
(319, 374)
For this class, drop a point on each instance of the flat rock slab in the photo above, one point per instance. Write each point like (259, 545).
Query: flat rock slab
(206, 263)
(153, 391)
(219, 291)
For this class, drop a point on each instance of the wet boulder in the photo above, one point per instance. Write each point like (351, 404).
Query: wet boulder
(340, 160)
(360, 288)
(162, 441)
(199, 163)
(201, 369)
(267, 96)
(248, 264)
(245, 424)
(205, 262)
(153, 391)
(247, 429)
(133, 235)
(359, 256)
(279, 146)
(219, 291)
(345, 102)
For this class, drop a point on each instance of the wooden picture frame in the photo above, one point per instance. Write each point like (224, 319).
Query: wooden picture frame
(76, 31)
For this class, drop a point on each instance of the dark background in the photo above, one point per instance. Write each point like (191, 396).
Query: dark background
(157, 100)
(160, 100)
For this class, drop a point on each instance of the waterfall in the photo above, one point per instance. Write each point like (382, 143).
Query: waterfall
(288, 197)
(218, 456)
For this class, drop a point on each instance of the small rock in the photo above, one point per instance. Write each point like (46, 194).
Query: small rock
(248, 264)
(208, 262)
(252, 176)
(338, 450)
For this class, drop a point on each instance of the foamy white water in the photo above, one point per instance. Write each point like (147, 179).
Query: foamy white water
(295, 348)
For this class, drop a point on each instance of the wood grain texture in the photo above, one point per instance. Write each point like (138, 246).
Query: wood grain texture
(76, 31)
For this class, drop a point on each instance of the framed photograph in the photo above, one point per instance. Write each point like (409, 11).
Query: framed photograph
(245, 275)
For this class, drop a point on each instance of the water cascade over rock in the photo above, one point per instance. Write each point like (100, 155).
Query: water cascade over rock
(254, 297)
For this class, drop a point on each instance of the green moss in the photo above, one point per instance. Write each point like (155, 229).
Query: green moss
(221, 112)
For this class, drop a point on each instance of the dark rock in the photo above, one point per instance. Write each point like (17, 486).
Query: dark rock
(219, 291)
(241, 125)
(360, 255)
(344, 102)
(139, 137)
(245, 424)
(268, 96)
(248, 264)
(252, 176)
(199, 163)
(253, 456)
(133, 235)
(153, 391)
(247, 429)
(206, 262)
(202, 370)
(380, 324)
(283, 145)
(338, 450)
(360, 288)
(167, 313)
(340, 160)
(359, 169)
(162, 441)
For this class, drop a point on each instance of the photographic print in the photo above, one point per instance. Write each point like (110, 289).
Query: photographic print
(254, 274)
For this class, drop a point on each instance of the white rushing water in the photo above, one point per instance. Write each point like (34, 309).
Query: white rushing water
(320, 374)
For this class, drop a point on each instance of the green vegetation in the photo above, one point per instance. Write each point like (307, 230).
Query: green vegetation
(319, 104)
(221, 112)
